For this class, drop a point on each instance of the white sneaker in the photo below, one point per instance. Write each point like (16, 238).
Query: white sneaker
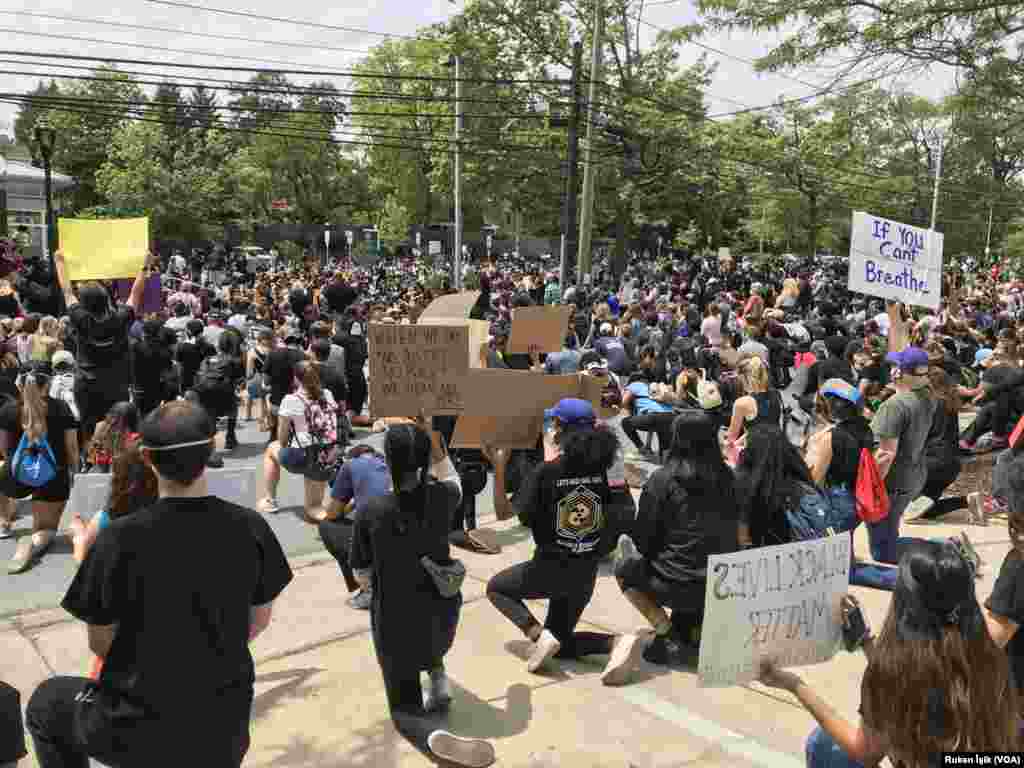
(626, 549)
(918, 507)
(439, 694)
(623, 660)
(268, 506)
(547, 646)
(472, 753)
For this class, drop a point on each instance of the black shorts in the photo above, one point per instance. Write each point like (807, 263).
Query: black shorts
(218, 402)
(58, 489)
(687, 596)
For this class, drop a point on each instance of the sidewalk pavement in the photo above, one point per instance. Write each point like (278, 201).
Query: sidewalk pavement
(320, 698)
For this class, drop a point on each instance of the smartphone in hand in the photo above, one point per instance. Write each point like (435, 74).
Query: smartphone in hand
(855, 629)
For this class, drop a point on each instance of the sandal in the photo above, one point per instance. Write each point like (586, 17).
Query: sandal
(28, 552)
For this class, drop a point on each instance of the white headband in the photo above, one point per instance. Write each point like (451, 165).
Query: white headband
(175, 446)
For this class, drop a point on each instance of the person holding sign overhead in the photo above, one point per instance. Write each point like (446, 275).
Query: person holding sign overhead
(103, 351)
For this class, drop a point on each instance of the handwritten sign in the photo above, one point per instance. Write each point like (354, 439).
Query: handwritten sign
(895, 261)
(103, 249)
(778, 602)
(417, 367)
(540, 329)
(454, 309)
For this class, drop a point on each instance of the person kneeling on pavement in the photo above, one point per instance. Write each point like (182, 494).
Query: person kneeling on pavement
(177, 685)
(576, 515)
(687, 513)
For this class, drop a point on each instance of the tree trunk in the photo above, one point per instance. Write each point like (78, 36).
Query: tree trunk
(621, 230)
(812, 224)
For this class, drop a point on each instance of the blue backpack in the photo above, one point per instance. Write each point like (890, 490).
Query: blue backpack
(814, 512)
(33, 464)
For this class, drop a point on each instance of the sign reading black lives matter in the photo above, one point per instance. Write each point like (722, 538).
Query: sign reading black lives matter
(781, 603)
(417, 368)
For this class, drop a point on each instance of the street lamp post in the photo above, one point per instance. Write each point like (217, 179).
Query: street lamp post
(46, 136)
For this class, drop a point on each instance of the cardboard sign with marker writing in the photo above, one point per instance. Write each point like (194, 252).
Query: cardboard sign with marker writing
(782, 603)
(542, 328)
(453, 310)
(417, 368)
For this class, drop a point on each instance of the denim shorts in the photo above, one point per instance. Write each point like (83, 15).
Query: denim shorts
(293, 459)
(255, 388)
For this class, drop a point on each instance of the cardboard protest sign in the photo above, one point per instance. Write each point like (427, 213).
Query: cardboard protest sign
(778, 602)
(103, 249)
(540, 329)
(895, 261)
(506, 408)
(453, 310)
(417, 367)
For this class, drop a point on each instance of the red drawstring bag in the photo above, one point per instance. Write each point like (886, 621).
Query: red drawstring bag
(872, 498)
(95, 668)
(1017, 432)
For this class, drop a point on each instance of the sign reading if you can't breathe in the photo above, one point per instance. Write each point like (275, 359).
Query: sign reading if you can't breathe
(895, 261)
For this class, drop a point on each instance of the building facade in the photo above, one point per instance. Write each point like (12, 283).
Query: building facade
(26, 199)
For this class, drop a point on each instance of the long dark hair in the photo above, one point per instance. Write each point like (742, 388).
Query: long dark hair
(773, 468)
(936, 681)
(407, 450)
(695, 457)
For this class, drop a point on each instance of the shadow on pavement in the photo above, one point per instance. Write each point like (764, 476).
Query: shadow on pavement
(474, 717)
(376, 746)
(290, 687)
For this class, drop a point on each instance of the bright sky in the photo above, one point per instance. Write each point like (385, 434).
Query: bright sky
(735, 85)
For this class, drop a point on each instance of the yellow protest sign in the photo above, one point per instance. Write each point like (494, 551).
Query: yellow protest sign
(103, 249)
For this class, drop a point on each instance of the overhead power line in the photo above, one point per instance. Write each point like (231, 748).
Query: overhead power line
(280, 20)
(235, 86)
(224, 68)
(305, 45)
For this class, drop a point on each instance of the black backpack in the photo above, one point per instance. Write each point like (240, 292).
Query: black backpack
(214, 375)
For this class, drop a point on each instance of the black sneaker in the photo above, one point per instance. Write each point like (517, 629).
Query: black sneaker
(230, 443)
(215, 462)
(665, 650)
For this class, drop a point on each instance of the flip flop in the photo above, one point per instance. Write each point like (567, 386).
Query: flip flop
(473, 542)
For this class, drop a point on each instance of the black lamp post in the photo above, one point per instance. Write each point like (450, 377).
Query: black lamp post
(46, 137)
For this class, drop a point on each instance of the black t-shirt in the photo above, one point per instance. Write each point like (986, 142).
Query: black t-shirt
(571, 517)
(280, 371)
(191, 353)
(679, 526)
(102, 342)
(59, 419)
(181, 651)
(8, 305)
(1007, 600)
(149, 361)
(332, 381)
(12, 731)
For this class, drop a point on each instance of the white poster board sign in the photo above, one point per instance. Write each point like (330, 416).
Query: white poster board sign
(91, 493)
(895, 261)
(778, 602)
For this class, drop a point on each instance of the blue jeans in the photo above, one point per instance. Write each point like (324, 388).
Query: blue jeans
(844, 511)
(823, 752)
(886, 544)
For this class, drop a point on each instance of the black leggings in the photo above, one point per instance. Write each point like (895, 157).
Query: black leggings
(66, 733)
(568, 585)
(357, 391)
(650, 422)
(405, 702)
(997, 416)
(337, 538)
(941, 475)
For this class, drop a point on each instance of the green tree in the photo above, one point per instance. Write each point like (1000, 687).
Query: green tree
(183, 189)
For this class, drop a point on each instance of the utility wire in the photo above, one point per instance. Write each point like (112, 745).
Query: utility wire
(224, 68)
(234, 86)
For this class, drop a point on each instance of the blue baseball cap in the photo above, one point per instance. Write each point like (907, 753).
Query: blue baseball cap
(572, 412)
(841, 389)
(909, 359)
(982, 355)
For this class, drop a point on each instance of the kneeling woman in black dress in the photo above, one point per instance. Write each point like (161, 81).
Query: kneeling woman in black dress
(398, 537)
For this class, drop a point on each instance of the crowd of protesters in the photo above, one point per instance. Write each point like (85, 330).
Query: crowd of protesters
(767, 391)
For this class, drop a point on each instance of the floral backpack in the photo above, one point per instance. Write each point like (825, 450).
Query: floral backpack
(323, 452)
